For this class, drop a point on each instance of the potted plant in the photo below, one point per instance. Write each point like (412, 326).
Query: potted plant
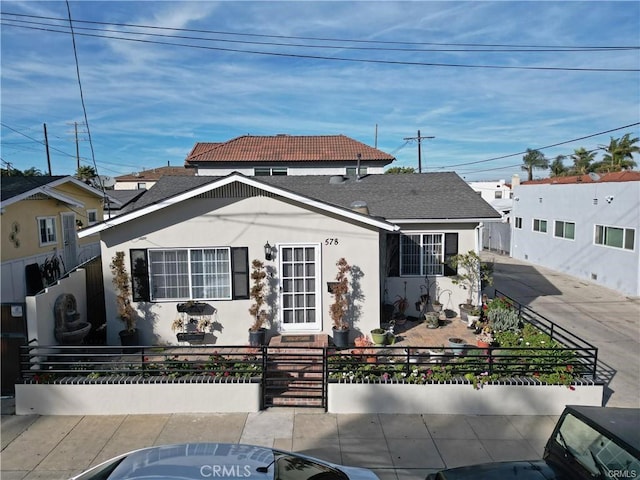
(485, 338)
(126, 313)
(432, 319)
(257, 332)
(471, 274)
(338, 308)
(379, 336)
(473, 316)
(457, 345)
(401, 304)
(363, 349)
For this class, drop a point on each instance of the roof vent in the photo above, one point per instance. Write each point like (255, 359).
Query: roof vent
(336, 179)
(360, 207)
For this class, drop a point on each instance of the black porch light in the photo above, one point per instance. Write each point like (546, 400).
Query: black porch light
(267, 251)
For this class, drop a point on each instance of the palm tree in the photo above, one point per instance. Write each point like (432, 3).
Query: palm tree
(32, 172)
(619, 154)
(557, 167)
(582, 161)
(534, 159)
(85, 173)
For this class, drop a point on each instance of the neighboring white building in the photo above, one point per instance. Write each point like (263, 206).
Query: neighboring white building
(585, 226)
(497, 193)
(145, 179)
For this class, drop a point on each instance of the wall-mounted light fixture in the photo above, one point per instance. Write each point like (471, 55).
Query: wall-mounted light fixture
(609, 198)
(268, 253)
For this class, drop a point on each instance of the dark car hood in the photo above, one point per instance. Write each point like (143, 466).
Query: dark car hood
(534, 470)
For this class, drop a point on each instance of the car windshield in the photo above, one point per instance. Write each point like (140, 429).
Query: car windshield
(596, 452)
(290, 467)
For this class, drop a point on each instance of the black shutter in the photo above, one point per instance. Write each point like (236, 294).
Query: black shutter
(450, 249)
(240, 273)
(393, 255)
(139, 275)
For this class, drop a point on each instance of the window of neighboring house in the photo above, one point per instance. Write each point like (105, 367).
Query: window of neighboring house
(47, 230)
(269, 171)
(539, 225)
(518, 222)
(565, 230)
(92, 217)
(498, 194)
(615, 237)
(352, 171)
(220, 273)
(142, 185)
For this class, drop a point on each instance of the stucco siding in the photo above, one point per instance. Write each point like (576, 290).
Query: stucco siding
(248, 222)
(614, 204)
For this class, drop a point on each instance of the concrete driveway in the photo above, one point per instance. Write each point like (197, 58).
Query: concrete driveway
(602, 317)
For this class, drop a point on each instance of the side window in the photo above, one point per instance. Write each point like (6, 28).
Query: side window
(240, 272)
(92, 217)
(139, 276)
(47, 231)
(450, 249)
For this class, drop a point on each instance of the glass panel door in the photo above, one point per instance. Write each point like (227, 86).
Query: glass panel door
(299, 287)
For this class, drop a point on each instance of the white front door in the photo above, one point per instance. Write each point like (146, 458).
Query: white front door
(69, 241)
(300, 287)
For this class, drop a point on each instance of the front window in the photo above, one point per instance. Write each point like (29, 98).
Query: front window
(565, 230)
(421, 254)
(353, 171)
(47, 230)
(196, 273)
(539, 225)
(596, 452)
(615, 237)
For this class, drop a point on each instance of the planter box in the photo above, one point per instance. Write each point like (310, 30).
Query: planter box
(141, 399)
(459, 399)
(190, 336)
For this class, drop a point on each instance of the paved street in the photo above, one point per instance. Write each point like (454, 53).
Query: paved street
(395, 446)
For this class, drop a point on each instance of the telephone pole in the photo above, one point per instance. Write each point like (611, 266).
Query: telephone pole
(419, 138)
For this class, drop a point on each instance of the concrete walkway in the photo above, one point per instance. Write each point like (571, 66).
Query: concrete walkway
(396, 447)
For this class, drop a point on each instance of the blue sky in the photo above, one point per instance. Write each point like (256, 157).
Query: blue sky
(147, 103)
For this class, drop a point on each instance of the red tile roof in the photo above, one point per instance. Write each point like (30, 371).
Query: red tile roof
(154, 174)
(285, 148)
(626, 176)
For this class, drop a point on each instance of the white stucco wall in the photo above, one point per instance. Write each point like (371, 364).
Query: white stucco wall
(291, 170)
(40, 312)
(249, 222)
(615, 268)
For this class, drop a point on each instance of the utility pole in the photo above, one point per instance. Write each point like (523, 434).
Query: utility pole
(46, 143)
(419, 139)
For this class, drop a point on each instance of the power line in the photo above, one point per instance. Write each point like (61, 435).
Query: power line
(291, 37)
(36, 140)
(478, 49)
(542, 148)
(337, 59)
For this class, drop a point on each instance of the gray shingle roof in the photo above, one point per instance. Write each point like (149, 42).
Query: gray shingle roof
(13, 186)
(405, 196)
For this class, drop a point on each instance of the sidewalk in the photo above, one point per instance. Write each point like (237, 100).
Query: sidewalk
(396, 447)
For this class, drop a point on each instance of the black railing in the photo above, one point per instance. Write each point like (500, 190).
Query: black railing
(100, 364)
(586, 352)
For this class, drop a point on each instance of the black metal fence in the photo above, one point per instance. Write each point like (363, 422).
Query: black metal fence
(574, 361)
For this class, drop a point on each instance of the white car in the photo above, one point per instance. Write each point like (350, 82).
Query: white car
(191, 461)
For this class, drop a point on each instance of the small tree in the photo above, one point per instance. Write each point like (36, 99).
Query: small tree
(121, 281)
(338, 309)
(474, 273)
(257, 293)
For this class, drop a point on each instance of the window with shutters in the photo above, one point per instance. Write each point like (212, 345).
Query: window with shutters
(216, 273)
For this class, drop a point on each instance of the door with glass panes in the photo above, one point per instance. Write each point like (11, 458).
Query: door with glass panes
(300, 287)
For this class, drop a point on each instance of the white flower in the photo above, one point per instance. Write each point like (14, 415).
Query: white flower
(527, 344)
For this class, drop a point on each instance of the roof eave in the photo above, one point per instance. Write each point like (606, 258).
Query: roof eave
(126, 217)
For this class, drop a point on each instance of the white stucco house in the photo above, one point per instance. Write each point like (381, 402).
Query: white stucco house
(586, 226)
(194, 237)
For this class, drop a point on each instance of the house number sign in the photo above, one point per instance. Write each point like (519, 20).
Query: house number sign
(331, 241)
